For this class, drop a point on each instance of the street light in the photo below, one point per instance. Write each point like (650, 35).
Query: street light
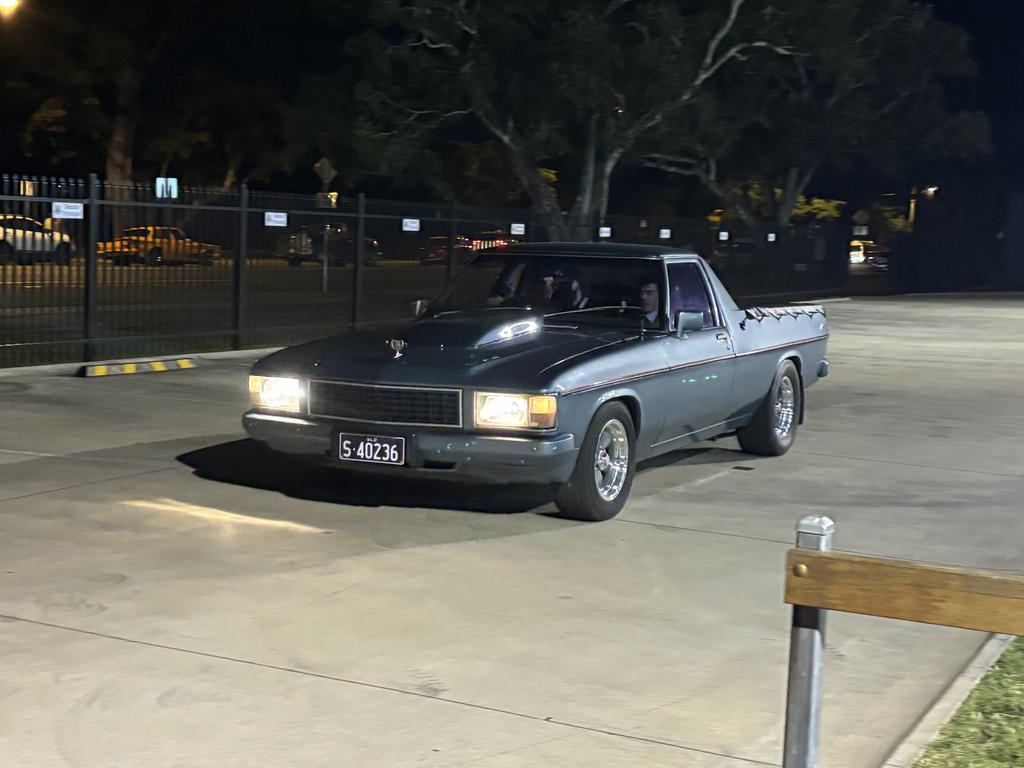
(8, 7)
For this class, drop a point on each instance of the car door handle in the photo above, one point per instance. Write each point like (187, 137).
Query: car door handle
(723, 337)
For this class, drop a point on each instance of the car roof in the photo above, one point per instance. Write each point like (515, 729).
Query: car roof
(622, 250)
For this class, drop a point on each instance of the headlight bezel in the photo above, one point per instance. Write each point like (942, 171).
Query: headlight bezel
(290, 395)
(540, 411)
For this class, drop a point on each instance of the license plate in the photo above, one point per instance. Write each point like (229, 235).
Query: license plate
(371, 449)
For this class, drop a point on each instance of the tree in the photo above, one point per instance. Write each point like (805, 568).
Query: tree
(572, 85)
(864, 89)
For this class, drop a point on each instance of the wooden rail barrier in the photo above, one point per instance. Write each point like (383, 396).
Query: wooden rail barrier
(819, 580)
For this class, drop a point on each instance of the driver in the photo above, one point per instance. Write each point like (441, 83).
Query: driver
(650, 302)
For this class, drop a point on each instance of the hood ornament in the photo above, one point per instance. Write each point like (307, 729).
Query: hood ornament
(397, 346)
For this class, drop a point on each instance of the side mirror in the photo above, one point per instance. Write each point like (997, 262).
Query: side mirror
(688, 321)
(419, 307)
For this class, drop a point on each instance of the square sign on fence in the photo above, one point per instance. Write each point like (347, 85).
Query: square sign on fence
(860, 231)
(68, 211)
(664, 234)
(410, 225)
(771, 237)
(167, 188)
(723, 236)
(275, 219)
(518, 229)
(604, 232)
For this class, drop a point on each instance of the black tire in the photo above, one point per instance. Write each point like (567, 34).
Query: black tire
(580, 498)
(293, 262)
(62, 254)
(206, 258)
(154, 256)
(7, 255)
(772, 430)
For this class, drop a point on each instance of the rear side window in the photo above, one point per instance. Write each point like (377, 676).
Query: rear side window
(689, 293)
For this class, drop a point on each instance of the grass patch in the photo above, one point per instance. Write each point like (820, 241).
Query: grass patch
(988, 729)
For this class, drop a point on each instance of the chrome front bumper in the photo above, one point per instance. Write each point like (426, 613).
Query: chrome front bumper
(433, 452)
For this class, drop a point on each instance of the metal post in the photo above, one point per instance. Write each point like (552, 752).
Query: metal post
(453, 237)
(91, 271)
(240, 266)
(325, 257)
(357, 269)
(806, 652)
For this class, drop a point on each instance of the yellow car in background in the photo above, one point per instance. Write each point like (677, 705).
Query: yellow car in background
(158, 245)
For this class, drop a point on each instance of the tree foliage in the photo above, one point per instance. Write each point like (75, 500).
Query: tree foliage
(864, 90)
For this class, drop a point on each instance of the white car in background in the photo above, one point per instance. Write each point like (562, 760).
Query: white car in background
(24, 241)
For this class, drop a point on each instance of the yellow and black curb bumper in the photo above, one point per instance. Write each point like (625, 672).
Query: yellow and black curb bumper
(142, 366)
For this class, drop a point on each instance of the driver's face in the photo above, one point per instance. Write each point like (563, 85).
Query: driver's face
(649, 298)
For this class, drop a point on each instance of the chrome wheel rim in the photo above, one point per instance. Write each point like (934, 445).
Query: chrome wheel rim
(611, 460)
(785, 407)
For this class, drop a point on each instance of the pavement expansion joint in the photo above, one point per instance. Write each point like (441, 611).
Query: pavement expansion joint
(385, 688)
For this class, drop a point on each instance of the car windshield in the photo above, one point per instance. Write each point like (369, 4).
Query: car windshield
(617, 291)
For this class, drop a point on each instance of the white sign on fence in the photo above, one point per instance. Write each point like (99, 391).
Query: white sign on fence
(410, 225)
(860, 231)
(664, 234)
(275, 219)
(723, 236)
(167, 188)
(68, 211)
(518, 229)
(604, 232)
(771, 237)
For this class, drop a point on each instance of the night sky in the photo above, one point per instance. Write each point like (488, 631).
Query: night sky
(995, 28)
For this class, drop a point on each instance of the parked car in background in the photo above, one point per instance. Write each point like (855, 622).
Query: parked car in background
(157, 245)
(306, 243)
(436, 251)
(561, 364)
(26, 241)
(870, 254)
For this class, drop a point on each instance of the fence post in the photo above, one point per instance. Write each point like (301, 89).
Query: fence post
(240, 266)
(91, 270)
(357, 268)
(453, 236)
(325, 256)
(806, 651)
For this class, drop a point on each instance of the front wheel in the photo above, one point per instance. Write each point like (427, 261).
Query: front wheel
(603, 476)
(153, 257)
(62, 254)
(772, 430)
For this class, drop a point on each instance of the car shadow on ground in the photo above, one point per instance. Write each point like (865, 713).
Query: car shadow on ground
(250, 464)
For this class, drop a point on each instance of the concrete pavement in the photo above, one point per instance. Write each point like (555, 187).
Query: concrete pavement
(176, 596)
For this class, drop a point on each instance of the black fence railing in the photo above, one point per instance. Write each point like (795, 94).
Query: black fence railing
(92, 271)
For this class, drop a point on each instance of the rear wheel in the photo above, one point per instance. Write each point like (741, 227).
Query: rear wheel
(772, 430)
(7, 255)
(153, 257)
(603, 476)
(62, 255)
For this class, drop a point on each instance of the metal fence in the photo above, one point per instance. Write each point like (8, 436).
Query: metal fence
(93, 271)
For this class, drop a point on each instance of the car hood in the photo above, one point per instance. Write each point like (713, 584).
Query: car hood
(462, 349)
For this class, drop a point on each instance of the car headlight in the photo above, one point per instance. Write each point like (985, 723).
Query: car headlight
(502, 411)
(275, 393)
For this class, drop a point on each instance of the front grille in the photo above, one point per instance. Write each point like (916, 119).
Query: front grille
(386, 405)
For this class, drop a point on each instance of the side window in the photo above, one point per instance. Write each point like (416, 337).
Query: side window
(688, 292)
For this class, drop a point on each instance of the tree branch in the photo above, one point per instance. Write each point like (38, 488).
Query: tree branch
(615, 5)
